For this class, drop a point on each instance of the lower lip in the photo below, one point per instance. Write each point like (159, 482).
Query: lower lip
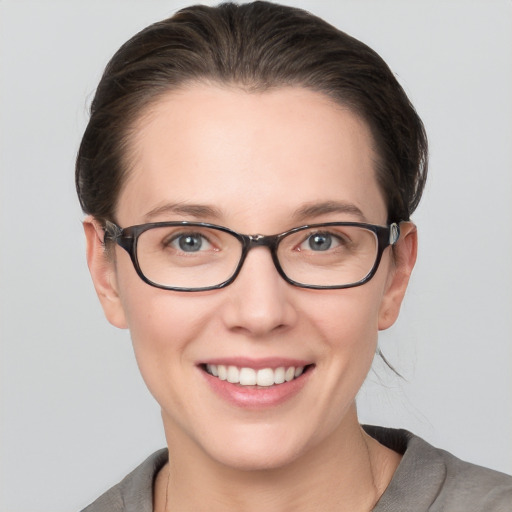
(252, 397)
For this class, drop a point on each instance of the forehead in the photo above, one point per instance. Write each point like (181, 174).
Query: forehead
(250, 155)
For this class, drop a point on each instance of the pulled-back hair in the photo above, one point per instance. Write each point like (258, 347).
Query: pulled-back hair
(256, 46)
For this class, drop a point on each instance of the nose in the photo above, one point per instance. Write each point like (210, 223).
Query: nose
(259, 300)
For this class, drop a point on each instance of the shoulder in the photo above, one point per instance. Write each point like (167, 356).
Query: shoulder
(135, 492)
(431, 479)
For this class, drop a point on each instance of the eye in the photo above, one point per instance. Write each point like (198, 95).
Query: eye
(320, 241)
(190, 242)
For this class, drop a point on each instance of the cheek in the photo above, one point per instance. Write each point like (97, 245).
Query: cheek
(349, 327)
(349, 318)
(163, 322)
(158, 320)
(163, 326)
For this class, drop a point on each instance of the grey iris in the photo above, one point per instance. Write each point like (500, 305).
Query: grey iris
(320, 242)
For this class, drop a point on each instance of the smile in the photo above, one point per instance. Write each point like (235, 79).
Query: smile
(245, 376)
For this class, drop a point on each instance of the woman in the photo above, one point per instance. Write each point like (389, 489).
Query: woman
(249, 173)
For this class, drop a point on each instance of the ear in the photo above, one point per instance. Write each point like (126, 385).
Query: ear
(404, 253)
(103, 272)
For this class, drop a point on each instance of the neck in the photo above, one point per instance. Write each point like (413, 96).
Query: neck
(347, 472)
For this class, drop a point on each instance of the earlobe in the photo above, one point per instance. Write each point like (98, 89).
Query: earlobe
(102, 269)
(404, 253)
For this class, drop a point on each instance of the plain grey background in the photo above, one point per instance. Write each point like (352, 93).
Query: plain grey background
(75, 415)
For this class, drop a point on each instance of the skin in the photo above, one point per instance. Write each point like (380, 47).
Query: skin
(256, 158)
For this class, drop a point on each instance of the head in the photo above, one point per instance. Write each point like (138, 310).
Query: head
(247, 117)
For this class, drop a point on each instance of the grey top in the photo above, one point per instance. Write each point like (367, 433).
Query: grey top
(427, 479)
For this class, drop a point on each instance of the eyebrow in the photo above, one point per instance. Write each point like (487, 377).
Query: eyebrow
(197, 211)
(306, 212)
(312, 210)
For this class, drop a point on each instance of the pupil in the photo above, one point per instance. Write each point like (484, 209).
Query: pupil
(190, 243)
(320, 242)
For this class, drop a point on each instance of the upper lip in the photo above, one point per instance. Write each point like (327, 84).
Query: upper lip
(257, 364)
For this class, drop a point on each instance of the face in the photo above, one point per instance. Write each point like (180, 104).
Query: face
(258, 163)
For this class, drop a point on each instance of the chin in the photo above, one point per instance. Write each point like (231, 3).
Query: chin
(258, 449)
(260, 460)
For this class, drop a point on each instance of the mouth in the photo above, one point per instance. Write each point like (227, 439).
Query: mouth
(252, 377)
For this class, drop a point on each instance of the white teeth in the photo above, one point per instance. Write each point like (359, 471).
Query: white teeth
(222, 372)
(264, 377)
(279, 375)
(233, 374)
(212, 368)
(247, 377)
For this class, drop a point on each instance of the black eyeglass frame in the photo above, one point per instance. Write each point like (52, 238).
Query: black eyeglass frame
(127, 238)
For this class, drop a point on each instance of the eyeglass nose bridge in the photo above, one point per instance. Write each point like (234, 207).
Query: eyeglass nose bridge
(253, 241)
(270, 241)
(260, 240)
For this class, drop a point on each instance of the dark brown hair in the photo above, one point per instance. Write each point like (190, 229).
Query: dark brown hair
(256, 46)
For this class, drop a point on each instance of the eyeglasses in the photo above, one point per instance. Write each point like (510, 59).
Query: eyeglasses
(196, 256)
